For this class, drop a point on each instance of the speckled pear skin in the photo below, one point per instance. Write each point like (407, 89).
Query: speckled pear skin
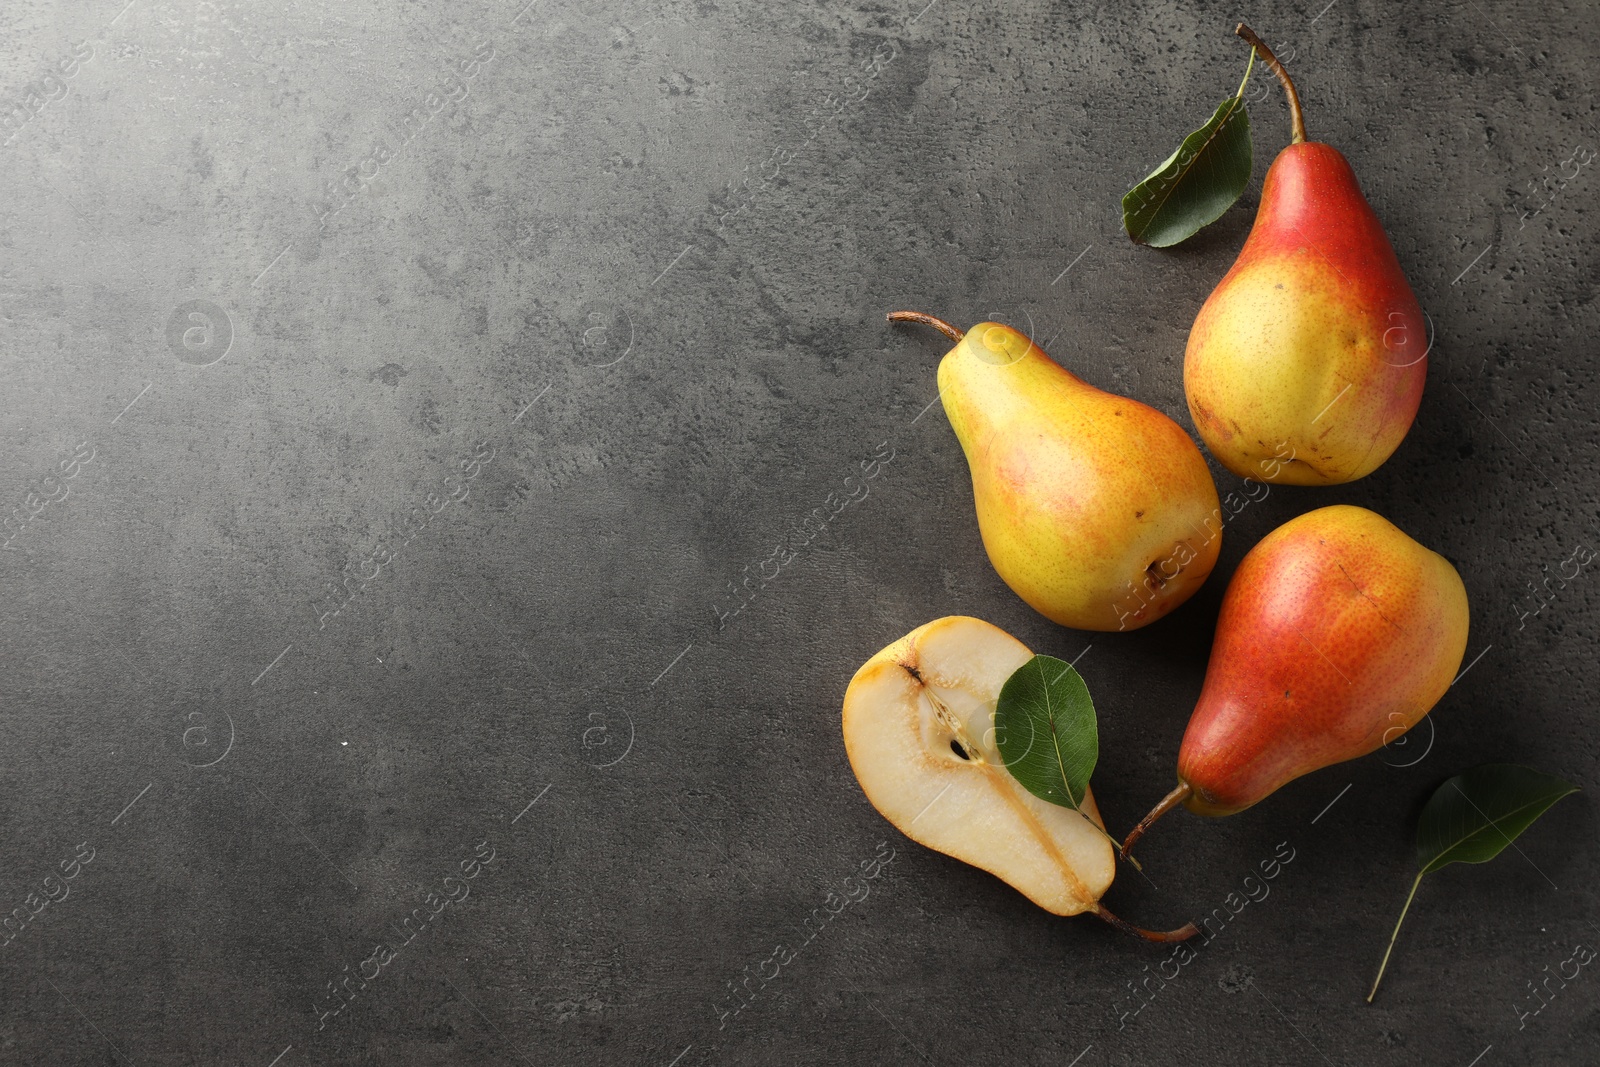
(1097, 510)
(1337, 634)
(1314, 338)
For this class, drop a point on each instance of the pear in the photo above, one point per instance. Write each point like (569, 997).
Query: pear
(919, 731)
(1338, 633)
(1313, 344)
(1097, 510)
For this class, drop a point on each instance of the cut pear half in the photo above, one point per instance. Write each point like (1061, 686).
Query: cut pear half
(919, 731)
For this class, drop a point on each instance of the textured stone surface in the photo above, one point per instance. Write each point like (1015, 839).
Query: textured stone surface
(639, 257)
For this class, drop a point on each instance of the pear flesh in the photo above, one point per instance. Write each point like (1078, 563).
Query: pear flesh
(919, 731)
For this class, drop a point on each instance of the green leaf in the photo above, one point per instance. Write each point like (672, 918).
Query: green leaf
(1198, 182)
(1472, 817)
(1046, 732)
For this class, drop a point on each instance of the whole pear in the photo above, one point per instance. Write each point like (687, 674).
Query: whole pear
(1313, 343)
(1337, 634)
(1097, 510)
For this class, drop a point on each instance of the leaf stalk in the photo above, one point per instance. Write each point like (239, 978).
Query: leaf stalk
(1248, 67)
(1385, 964)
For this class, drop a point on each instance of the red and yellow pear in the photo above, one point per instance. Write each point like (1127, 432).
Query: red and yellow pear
(1337, 634)
(1097, 510)
(1314, 338)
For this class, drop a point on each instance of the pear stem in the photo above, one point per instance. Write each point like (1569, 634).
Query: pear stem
(1385, 964)
(926, 320)
(1182, 933)
(1182, 792)
(1297, 120)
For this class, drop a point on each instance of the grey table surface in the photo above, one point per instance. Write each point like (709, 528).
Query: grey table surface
(403, 390)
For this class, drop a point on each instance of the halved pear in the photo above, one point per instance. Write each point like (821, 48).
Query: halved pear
(919, 731)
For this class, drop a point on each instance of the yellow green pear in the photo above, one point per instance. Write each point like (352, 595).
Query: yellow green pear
(1097, 510)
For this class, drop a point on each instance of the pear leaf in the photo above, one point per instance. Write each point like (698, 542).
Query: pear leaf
(1046, 731)
(1472, 817)
(1198, 182)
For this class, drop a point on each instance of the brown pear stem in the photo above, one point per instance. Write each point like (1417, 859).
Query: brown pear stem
(1297, 120)
(1182, 933)
(1182, 792)
(926, 320)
